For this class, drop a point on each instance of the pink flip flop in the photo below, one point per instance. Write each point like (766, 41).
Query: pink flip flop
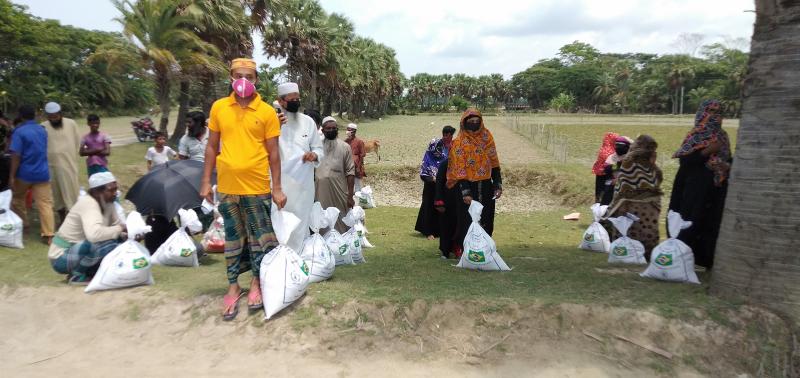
(253, 296)
(231, 303)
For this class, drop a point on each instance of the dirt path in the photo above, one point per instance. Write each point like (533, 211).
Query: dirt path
(49, 331)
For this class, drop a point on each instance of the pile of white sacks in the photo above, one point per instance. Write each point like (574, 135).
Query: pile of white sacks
(285, 273)
(671, 260)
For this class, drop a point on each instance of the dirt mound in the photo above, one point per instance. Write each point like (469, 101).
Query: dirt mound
(48, 331)
(525, 188)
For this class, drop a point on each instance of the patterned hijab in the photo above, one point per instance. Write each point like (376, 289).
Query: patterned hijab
(606, 150)
(638, 178)
(708, 129)
(473, 153)
(435, 154)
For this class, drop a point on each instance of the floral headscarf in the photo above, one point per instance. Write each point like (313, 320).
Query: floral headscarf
(473, 153)
(606, 150)
(708, 129)
(435, 154)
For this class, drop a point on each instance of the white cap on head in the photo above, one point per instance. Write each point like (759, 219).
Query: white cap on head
(352, 126)
(100, 179)
(286, 88)
(328, 119)
(52, 108)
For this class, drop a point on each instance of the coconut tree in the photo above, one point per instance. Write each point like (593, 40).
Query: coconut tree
(757, 256)
(223, 24)
(159, 30)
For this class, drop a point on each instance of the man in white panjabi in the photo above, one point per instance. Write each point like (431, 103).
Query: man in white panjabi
(301, 152)
(63, 145)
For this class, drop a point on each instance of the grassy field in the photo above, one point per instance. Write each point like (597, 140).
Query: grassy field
(539, 245)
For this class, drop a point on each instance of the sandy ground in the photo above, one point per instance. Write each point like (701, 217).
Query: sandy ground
(53, 331)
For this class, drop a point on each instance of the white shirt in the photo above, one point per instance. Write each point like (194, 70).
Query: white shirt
(159, 158)
(192, 148)
(299, 136)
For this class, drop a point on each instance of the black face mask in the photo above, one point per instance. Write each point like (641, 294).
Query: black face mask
(330, 135)
(293, 106)
(621, 149)
(472, 126)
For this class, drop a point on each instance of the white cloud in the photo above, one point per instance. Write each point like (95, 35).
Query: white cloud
(481, 37)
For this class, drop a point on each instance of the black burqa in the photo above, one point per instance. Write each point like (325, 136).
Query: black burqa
(449, 199)
(697, 199)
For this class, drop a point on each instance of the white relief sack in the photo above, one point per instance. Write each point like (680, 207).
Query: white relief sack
(595, 238)
(672, 260)
(284, 275)
(10, 223)
(179, 249)
(315, 252)
(353, 235)
(336, 243)
(625, 250)
(365, 198)
(480, 251)
(128, 264)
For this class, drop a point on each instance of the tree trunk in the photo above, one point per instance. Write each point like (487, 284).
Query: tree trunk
(162, 93)
(183, 108)
(757, 253)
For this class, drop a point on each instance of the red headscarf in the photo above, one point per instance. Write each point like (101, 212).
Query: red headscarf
(606, 150)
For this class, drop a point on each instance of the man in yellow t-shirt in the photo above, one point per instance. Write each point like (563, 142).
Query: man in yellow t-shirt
(243, 146)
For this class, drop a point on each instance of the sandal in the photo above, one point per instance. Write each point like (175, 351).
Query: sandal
(231, 303)
(253, 296)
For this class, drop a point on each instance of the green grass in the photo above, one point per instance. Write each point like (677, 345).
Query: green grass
(541, 248)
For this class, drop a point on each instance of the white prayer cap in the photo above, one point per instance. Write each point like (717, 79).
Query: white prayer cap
(328, 119)
(52, 108)
(286, 88)
(100, 179)
(352, 126)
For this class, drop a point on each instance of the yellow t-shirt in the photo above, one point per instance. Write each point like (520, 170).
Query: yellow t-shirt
(243, 163)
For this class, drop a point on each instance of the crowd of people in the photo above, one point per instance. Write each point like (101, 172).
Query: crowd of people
(628, 180)
(267, 155)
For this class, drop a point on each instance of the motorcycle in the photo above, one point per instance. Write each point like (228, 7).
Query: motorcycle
(144, 130)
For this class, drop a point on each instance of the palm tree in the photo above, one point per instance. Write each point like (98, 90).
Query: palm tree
(223, 24)
(159, 31)
(757, 254)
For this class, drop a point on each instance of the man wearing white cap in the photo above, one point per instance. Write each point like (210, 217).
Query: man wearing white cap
(301, 152)
(335, 176)
(359, 153)
(63, 148)
(89, 232)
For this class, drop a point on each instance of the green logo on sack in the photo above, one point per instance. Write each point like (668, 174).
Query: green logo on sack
(664, 260)
(304, 268)
(588, 237)
(620, 251)
(343, 249)
(359, 233)
(363, 201)
(476, 256)
(186, 252)
(140, 263)
(7, 227)
(356, 243)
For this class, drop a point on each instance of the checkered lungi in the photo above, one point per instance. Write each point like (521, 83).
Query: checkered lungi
(248, 232)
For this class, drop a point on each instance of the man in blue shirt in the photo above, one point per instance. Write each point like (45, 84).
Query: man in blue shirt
(29, 171)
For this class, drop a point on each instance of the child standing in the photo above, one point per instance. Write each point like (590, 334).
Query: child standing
(160, 153)
(96, 146)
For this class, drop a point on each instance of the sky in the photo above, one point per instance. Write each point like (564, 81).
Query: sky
(479, 37)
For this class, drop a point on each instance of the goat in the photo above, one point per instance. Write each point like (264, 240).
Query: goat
(373, 146)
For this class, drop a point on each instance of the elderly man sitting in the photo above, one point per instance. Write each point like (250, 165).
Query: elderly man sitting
(90, 231)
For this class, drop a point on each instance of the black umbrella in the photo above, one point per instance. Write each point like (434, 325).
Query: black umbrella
(168, 187)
